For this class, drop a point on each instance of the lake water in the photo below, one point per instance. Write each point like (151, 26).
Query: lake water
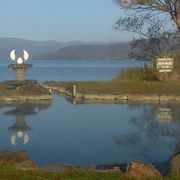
(67, 70)
(81, 134)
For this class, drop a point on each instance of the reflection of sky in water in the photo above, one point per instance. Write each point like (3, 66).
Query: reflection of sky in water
(93, 133)
(70, 69)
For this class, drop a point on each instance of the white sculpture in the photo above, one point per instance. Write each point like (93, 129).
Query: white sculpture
(19, 60)
(26, 55)
(13, 55)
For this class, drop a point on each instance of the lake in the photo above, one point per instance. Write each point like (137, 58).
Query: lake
(82, 133)
(68, 70)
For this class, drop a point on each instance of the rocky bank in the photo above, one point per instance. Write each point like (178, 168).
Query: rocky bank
(135, 169)
(28, 90)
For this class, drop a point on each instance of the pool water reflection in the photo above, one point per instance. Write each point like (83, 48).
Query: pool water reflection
(81, 134)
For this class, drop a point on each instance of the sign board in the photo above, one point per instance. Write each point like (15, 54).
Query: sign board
(165, 64)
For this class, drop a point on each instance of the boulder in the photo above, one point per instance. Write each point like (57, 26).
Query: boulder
(32, 88)
(27, 165)
(25, 90)
(19, 159)
(14, 157)
(140, 170)
(175, 164)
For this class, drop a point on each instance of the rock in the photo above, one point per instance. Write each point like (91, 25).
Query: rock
(175, 164)
(99, 96)
(140, 170)
(19, 159)
(177, 98)
(14, 157)
(32, 88)
(164, 97)
(27, 165)
(25, 90)
(121, 97)
(143, 97)
(58, 168)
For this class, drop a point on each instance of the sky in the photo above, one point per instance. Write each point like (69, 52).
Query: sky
(61, 20)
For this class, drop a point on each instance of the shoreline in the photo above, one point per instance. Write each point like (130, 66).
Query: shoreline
(114, 98)
(135, 168)
(24, 98)
(95, 91)
(27, 90)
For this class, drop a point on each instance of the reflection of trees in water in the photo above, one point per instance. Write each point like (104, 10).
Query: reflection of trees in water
(151, 130)
(148, 122)
(20, 111)
(128, 140)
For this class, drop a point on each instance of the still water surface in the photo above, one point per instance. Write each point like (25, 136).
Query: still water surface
(81, 134)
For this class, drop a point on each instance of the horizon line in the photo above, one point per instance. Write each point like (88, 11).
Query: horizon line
(51, 40)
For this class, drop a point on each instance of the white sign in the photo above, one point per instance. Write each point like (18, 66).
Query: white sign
(165, 64)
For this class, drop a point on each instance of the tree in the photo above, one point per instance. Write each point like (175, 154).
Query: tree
(149, 8)
(154, 39)
(143, 18)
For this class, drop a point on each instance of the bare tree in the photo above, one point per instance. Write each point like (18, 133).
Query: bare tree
(142, 18)
(148, 8)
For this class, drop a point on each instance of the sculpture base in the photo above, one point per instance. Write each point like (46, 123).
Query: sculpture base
(20, 70)
(20, 66)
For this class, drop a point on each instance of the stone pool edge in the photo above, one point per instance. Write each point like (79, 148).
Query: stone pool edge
(116, 98)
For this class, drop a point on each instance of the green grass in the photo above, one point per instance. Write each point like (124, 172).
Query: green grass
(9, 172)
(122, 87)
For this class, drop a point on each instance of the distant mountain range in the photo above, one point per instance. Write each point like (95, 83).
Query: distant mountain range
(90, 51)
(34, 48)
(64, 50)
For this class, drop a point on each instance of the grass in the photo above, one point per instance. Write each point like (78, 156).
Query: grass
(9, 172)
(147, 72)
(122, 87)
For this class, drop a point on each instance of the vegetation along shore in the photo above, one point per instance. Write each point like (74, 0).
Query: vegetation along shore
(120, 90)
(16, 165)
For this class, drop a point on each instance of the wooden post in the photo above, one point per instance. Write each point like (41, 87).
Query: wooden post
(74, 91)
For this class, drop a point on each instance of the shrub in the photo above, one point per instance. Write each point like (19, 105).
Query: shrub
(138, 73)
